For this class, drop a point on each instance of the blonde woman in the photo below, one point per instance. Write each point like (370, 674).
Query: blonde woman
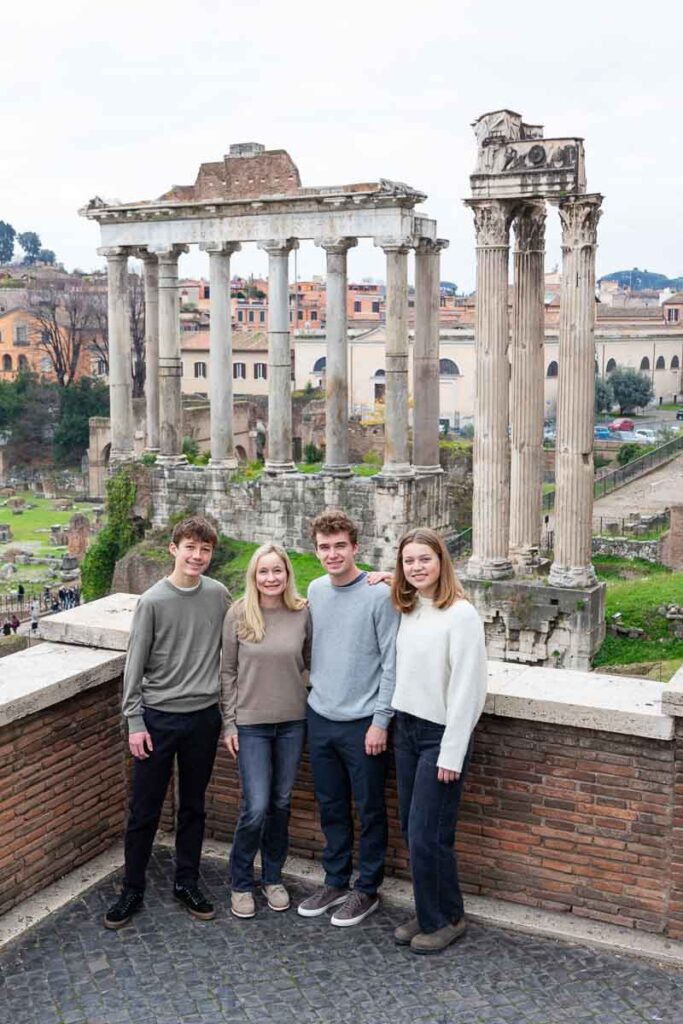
(439, 696)
(266, 648)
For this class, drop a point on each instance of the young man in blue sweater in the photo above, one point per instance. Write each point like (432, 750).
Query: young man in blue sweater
(349, 710)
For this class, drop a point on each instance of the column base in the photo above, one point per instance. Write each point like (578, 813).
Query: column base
(172, 460)
(116, 458)
(427, 470)
(223, 463)
(278, 468)
(526, 561)
(489, 569)
(572, 575)
(396, 469)
(152, 451)
(336, 471)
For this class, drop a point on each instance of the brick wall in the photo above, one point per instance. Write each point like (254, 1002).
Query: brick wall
(62, 786)
(569, 820)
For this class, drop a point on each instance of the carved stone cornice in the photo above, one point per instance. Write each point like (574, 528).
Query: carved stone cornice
(279, 246)
(431, 246)
(391, 245)
(115, 252)
(579, 216)
(336, 246)
(492, 219)
(220, 248)
(529, 228)
(168, 253)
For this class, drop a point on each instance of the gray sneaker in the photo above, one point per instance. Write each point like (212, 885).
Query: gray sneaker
(321, 900)
(356, 907)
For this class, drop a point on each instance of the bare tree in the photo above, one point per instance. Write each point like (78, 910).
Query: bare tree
(62, 314)
(100, 325)
(100, 336)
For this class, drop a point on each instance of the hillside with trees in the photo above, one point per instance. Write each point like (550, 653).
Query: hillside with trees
(643, 280)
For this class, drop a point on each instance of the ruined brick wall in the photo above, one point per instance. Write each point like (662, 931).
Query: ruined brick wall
(63, 790)
(671, 552)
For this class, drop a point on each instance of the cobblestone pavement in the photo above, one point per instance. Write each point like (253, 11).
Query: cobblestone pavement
(166, 968)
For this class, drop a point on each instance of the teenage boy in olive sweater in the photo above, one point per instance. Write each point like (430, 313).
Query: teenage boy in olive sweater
(171, 691)
(353, 662)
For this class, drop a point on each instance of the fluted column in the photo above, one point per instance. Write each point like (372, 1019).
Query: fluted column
(491, 498)
(572, 565)
(170, 364)
(336, 366)
(150, 263)
(119, 341)
(279, 458)
(526, 389)
(220, 355)
(396, 444)
(426, 356)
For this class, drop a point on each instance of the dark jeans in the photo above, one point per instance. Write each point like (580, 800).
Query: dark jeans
(193, 739)
(268, 760)
(429, 815)
(341, 768)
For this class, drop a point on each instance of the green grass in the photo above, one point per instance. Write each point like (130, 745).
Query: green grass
(636, 589)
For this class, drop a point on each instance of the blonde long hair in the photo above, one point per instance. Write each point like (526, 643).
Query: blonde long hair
(250, 624)
(449, 588)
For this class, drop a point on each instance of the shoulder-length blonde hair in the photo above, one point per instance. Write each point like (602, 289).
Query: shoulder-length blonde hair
(250, 624)
(449, 588)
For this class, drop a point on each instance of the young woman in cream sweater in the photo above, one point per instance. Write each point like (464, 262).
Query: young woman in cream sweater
(439, 696)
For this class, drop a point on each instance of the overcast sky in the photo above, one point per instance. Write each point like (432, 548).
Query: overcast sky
(123, 100)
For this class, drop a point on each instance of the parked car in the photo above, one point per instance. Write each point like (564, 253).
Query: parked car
(679, 414)
(649, 436)
(621, 423)
(604, 434)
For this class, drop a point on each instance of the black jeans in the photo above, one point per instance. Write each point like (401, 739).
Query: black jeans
(429, 815)
(193, 739)
(341, 768)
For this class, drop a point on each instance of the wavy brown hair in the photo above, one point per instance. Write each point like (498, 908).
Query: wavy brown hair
(449, 588)
(333, 521)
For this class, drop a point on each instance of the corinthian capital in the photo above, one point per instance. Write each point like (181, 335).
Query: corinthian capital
(530, 228)
(492, 219)
(431, 246)
(279, 246)
(336, 246)
(579, 216)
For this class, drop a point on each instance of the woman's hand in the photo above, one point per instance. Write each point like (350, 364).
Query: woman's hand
(232, 745)
(446, 775)
(379, 577)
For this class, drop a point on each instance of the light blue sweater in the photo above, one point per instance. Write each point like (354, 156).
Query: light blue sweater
(353, 659)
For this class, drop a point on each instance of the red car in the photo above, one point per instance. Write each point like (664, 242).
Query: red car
(620, 423)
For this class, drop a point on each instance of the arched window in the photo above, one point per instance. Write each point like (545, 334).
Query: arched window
(23, 364)
(611, 365)
(552, 369)
(660, 364)
(447, 368)
(200, 369)
(645, 363)
(320, 365)
(239, 371)
(675, 363)
(7, 364)
(260, 371)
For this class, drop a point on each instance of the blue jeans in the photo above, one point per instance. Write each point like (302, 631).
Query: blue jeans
(429, 815)
(268, 761)
(341, 768)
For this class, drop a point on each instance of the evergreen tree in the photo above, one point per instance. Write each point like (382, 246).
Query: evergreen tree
(632, 390)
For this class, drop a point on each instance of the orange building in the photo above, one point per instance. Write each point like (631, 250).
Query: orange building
(22, 352)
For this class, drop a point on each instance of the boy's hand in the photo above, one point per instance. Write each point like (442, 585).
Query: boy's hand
(446, 775)
(232, 745)
(375, 740)
(380, 577)
(139, 744)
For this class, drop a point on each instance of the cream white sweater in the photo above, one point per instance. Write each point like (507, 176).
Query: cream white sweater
(441, 672)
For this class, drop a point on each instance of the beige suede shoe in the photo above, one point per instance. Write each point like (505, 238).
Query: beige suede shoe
(434, 942)
(242, 904)
(277, 896)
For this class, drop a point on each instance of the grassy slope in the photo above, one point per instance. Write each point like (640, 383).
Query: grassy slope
(636, 589)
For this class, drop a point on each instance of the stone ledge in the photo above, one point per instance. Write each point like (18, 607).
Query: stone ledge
(48, 674)
(104, 623)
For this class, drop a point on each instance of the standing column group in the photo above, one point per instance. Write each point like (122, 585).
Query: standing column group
(426, 356)
(220, 355)
(170, 364)
(396, 443)
(120, 375)
(279, 458)
(337, 374)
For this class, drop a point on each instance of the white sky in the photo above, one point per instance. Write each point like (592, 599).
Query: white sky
(125, 99)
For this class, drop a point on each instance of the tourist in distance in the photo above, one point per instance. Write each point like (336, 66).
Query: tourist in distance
(171, 689)
(440, 692)
(266, 649)
(349, 711)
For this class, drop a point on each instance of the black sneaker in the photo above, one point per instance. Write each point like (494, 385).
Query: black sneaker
(120, 913)
(194, 901)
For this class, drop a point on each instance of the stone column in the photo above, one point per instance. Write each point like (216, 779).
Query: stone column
(526, 391)
(220, 355)
(396, 445)
(572, 565)
(120, 370)
(151, 277)
(337, 370)
(279, 458)
(491, 498)
(170, 365)
(426, 356)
